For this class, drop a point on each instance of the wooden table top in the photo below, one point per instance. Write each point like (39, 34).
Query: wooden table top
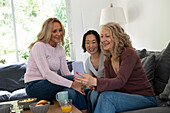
(55, 108)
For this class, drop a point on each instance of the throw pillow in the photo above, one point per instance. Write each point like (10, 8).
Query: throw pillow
(142, 53)
(148, 64)
(164, 95)
(162, 72)
(18, 94)
(12, 77)
(168, 102)
(4, 96)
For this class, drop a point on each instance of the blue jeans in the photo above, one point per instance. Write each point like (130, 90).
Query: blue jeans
(43, 89)
(111, 102)
(93, 100)
(88, 93)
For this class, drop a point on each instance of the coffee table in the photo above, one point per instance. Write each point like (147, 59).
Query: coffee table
(55, 108)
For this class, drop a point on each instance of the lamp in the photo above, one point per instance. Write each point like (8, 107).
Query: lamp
(112, 14)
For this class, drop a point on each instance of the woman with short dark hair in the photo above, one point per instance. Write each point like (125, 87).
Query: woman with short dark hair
(94, 63)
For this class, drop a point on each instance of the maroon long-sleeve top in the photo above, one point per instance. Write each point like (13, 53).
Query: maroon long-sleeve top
(131, 77)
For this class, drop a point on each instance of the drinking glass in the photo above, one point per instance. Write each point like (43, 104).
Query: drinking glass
(66, 105)
(63, 95)
(17, 109)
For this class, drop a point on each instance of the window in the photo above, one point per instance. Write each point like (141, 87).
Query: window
(29, 17)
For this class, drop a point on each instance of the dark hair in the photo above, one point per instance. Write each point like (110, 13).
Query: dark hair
(89, 33)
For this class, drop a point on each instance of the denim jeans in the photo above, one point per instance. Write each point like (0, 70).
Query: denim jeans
(93, 100)
(111, 102)
(43, 89)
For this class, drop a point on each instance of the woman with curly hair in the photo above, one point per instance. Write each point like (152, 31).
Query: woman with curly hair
(125, 85)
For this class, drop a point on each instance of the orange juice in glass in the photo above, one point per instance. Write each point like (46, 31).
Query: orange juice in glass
(66, 106)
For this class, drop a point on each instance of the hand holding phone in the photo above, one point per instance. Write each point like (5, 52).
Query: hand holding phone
(78, 67)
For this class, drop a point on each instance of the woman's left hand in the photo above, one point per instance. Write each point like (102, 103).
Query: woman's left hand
(87, 79)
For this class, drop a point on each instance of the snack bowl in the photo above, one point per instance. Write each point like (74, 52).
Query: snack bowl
(39, 109)
(5, 108)
(26, 102)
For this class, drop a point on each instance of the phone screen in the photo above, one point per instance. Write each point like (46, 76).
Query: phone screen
(78, 67)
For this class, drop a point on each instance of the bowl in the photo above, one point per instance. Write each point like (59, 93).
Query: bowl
(26, 102)
(39, 109)
(5, 108)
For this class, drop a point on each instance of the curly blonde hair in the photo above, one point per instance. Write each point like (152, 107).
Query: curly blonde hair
(120, 38)
(45, 34)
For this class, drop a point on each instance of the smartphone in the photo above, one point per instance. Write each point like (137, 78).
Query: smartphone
(78, 67)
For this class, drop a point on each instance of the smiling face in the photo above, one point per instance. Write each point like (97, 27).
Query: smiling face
(106, 40)
(56, 34)
(91, 44)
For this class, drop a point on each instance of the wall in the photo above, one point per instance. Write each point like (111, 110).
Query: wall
(147, 22)
(82, 15)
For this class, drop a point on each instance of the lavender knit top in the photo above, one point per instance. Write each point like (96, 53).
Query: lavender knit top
(43, 63)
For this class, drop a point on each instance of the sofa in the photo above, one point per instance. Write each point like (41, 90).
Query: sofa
(12, 85)
(155, 63)
(157, 67)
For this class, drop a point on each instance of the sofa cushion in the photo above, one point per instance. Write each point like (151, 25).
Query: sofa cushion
(164, 95)
(162, 72)
(18, 94)
(151, 110)
(142, 53)
(148, 64)
(4, 96)
(161, 103)
(12, 77)
(157, 54)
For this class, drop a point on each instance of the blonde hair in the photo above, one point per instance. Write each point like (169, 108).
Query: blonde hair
(120, 38)
(45, 34)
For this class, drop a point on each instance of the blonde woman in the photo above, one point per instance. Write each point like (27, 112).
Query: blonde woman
(125, 85)
(46, 57)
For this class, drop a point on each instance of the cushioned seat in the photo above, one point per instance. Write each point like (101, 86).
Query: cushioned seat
(12, 85)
